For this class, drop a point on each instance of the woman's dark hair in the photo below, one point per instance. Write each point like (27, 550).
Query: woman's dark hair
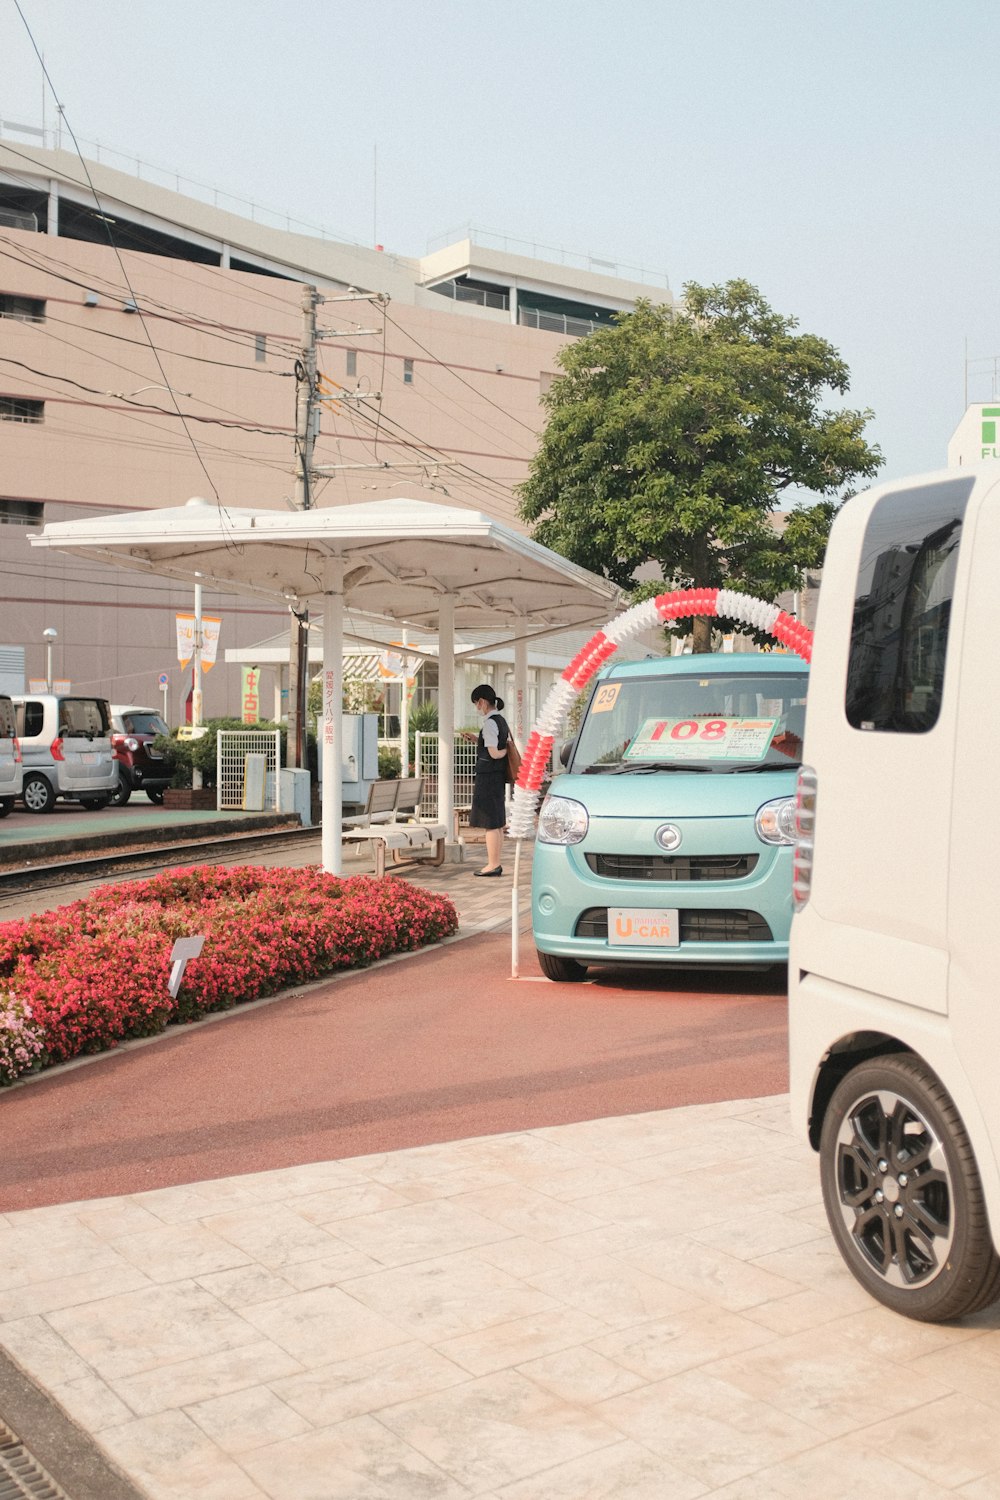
(485, 691)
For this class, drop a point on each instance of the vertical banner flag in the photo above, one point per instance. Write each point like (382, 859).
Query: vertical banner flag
(394, 666)
(250, 696)
(185, 639)
(210, 627)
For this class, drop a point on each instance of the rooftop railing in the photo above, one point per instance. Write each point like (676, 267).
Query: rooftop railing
(191, 187)
(248, 208)
(494, 239)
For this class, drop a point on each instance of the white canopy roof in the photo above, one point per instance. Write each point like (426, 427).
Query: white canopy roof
(431, 566)
(401, 557)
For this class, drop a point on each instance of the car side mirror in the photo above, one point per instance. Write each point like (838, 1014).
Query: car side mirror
(566, 750)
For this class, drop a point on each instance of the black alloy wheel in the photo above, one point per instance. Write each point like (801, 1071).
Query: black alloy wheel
(902, 1192)
(155, 795)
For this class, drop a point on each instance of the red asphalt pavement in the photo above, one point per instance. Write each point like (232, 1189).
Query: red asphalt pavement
(437, 1046)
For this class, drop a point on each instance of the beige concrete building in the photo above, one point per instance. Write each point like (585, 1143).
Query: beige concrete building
(149, 344)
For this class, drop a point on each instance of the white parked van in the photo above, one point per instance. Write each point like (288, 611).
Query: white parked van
(895, 947)
(66, 750)
(11, 774)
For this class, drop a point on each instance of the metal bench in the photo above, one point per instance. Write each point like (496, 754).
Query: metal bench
(391, 821)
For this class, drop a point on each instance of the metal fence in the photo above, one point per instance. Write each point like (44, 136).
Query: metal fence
(426, 756)
(249, 763)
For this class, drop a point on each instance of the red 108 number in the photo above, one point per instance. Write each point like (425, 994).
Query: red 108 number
(691, 729)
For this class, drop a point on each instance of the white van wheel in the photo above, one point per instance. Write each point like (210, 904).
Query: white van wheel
(37, 795)
(903, 1194)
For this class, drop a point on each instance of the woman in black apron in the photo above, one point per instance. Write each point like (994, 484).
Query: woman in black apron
(488, 811)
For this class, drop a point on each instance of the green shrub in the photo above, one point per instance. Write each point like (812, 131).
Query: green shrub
(389, 763)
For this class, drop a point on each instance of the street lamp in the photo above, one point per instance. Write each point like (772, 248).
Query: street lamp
(49, 636)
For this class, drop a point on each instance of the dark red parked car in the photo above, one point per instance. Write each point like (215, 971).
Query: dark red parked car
(140, 767)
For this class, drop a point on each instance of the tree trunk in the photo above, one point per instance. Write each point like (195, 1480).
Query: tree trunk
(701, 626)
(701, 634)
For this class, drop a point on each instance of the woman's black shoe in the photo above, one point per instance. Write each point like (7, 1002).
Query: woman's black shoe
(486, 874)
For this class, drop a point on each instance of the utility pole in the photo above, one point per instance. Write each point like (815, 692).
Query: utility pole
(307, 415)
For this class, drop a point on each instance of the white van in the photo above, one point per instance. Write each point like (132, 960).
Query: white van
(895, 948)
(11, 774)
(66, 750)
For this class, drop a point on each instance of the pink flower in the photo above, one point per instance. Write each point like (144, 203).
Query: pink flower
(93, 973)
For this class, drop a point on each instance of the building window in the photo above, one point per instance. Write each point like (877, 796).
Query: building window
(24, 309)
(21, 512)
(18, 409)
(352, 361)
(407, 371)
(260, 347)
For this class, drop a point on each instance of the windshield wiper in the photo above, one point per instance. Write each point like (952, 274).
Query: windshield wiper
(649, 767)
(793, 765)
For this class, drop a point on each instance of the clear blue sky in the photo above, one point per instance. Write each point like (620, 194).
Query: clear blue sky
(837, 155)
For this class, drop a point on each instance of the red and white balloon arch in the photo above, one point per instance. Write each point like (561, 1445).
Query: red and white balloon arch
(682, 603)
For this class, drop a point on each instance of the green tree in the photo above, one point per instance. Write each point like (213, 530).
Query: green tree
(671, 436)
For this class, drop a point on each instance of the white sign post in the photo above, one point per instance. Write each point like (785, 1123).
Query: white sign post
(183, 949)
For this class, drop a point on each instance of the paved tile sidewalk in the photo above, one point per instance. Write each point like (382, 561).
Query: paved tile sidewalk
(641, 1308)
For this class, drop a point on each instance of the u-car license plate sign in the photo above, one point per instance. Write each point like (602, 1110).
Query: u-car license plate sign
(643, 927)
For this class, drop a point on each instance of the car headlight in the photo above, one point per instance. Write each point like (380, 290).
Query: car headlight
(561, 820)
(132, 745)
(775, 821)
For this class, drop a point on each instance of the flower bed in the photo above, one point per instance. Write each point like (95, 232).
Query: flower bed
(85, 977)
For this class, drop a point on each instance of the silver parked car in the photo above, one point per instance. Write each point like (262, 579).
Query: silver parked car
(66, 750)
(11, 772)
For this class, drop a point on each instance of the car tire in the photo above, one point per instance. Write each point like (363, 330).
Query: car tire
(6, 806)
(37, 794)
(155, 795)
(902, 1192)
(121, 793)
(94, 804)
(562, 970)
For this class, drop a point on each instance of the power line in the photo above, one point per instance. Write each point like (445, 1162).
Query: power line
(141, 405)
(434, 456)
(155, 307)
(138, 230)
(452, 371)
(111, 240)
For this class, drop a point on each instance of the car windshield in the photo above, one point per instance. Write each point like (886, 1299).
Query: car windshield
(707, 720)
(143, 721)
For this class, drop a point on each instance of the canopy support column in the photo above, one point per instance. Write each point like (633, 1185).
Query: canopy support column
(333, 708)
(446, 714)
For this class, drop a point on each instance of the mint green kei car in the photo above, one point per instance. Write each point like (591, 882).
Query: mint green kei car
(669, 839)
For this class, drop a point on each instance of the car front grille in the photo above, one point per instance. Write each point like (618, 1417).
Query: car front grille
(695, 926)
(686, 867)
